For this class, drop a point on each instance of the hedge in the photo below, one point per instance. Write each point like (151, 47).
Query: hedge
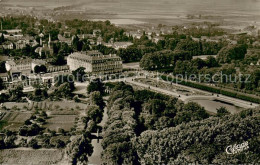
(214, 90)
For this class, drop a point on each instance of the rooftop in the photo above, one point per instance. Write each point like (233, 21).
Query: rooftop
(92, 55)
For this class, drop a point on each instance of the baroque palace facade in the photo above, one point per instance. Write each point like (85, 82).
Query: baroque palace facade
(95, 62)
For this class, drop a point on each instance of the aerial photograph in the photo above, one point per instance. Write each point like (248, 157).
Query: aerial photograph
(129, 82)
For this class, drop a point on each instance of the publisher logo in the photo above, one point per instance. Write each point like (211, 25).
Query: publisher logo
(236, 148)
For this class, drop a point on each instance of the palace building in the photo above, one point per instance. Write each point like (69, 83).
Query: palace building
(95, 62)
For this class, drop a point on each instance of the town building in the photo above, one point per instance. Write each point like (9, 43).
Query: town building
(8, 45)
(121, 45)
(22, 66)
(99, 40)
(157, 39)
(66, 40)
(44, 51)
(4, 77)
(95, 62)
(20, 44)
(96, 32)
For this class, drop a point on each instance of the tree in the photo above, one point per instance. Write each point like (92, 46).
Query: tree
(37, 69)
(39, 94)
(233, 52)
(222, 111)
(64, 90)
(2, 67)
(96, 85)
(94, 113)
(61, 79)
(79, 149)
(97, 99)
(16, 93)
(2, 39)
(40, 69)
(2, 85)
(77, 44)
(58, 60)
(211, 62)
(34, 144)
(60, 144)
(191, 112)
(79, 74)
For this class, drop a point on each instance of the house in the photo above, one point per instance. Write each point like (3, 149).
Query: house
(8, 45)
(44, 51)
(96, 32)
(165, 31)
(4, 77)
(20, 44)
(153, 33)
(54, 68)
(67, 34)
(64, 40)
(14, 37)
(108, 44)
(37, 62)
(121, 45)
(134, 34)
(255, 64)
(14, 31)
(22, 66)
(91, 41)
(157, 39)
(99, 40)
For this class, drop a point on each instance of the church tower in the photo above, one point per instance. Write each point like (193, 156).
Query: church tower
(49, 43)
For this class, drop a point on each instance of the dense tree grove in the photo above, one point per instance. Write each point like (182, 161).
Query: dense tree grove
(203, 142)
(63, 87)
(96, 85)
(119, 130)
(233, 52)
(196, 48)
(149, 128)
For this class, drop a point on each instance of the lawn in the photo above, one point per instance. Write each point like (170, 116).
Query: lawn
(30, 156)
(65, 122)
(2, 124)
(14, 120)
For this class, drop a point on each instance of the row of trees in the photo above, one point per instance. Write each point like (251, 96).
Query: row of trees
(108, 31)
(81, 148)
(179, 61)
(196, 48)
(119, 131)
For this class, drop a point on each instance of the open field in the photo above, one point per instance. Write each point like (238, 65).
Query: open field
(65, 122)
(14, 120)
(57, 105)
(229, 12)
(30, 156)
